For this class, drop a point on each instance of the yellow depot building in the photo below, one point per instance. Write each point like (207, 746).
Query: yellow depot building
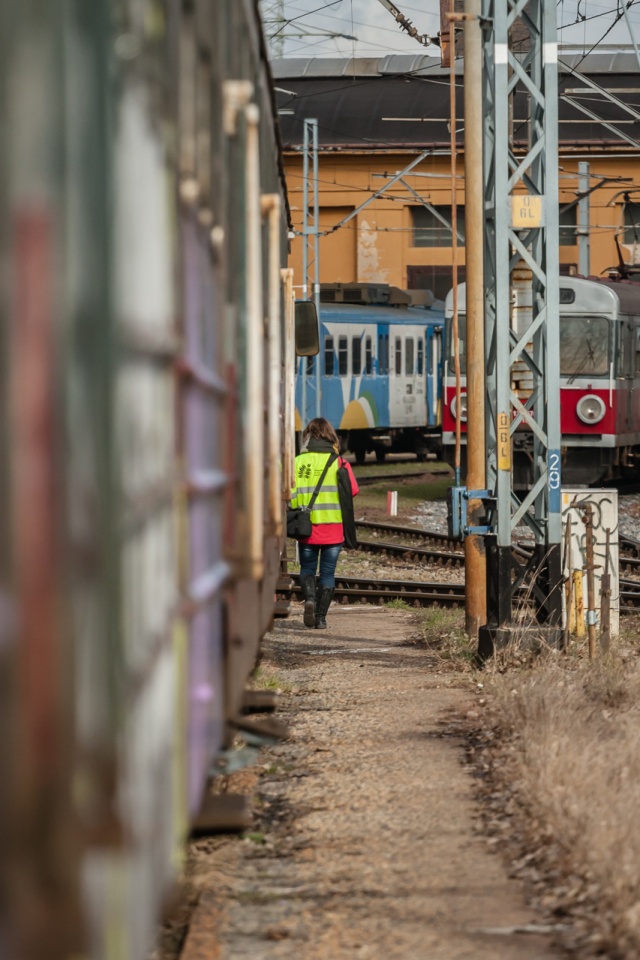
(378, 118)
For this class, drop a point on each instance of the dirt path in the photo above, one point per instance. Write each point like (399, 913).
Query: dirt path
(364, 845)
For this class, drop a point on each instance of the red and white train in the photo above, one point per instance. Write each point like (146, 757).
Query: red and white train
(599, 382)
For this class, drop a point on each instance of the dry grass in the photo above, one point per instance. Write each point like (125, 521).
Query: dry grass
(569, 735)
(444, 637)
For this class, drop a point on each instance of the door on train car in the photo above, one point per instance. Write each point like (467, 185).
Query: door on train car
(407, 387)
(434, 378)
(627, 353)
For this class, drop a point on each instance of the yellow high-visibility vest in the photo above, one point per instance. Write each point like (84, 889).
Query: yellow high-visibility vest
(309, 467)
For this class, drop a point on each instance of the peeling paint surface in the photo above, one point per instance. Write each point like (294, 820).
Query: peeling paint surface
(369, 268)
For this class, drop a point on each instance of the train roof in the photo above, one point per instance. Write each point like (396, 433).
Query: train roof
(380, 313)
(581, 295)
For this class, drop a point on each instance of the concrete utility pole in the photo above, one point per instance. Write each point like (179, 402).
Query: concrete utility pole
(474, 548)
(521, 312)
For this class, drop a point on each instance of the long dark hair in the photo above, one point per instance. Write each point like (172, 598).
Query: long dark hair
(321, 429)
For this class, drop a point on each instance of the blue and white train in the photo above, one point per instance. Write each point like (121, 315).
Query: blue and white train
(379, 371)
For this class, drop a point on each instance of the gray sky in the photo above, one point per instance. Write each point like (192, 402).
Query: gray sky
(377, 34)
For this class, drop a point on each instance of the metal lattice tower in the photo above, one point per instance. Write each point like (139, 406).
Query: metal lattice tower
(522, 306)
(274, 20)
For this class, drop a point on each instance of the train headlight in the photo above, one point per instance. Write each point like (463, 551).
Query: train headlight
(463, 408)
(590, 409)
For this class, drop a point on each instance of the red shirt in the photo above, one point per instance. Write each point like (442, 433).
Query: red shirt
(328, 534)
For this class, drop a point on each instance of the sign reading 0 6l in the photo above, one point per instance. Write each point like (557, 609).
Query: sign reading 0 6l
(526, 211)
(504, 442)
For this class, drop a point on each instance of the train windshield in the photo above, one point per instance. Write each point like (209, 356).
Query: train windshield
(584, 346)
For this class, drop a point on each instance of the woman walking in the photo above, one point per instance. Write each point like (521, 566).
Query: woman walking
(320, 445)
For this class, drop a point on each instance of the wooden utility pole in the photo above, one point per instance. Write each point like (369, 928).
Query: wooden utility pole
(474, 551)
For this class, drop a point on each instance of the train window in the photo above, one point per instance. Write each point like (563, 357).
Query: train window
(356, 356)
(420, 356)
(368, 356)
(343, 356)
(584, 346)
(398, 356)
(383, 354)
(637, 369)
(310, 366)
(329, 364)
(408, 356)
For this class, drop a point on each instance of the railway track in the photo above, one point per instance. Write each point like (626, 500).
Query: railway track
(410, 554)
(453, 556)
(433, 593)
(417, 594)
(377, 591)
(412, 534)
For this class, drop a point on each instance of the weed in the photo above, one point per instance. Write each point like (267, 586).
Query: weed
(444, 636)
(397, 604)
(265, 679)
(256, 837)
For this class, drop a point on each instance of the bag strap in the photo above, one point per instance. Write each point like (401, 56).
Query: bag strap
(331, 458)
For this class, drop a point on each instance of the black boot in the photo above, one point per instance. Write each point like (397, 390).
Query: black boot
(325, 596)
(308, 587)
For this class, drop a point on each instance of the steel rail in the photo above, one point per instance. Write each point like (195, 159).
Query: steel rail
(427, 594)
(408, 553)
(414, 593)
(412, 533)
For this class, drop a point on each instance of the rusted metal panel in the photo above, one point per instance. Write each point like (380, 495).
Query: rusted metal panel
(121, 497)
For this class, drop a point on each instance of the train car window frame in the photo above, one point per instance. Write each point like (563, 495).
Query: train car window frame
(368, 356)
(620, 351)
(409, 356)
(397, 352)
(420, 357)
(343, 356)
(356, 356)
(329, 357)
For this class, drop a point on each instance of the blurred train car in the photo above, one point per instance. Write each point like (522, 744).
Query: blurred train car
(144, 343)
(379, 370)
(599, 382)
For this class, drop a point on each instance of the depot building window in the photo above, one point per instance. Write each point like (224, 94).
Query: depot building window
(432, 225)
(632, 222)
